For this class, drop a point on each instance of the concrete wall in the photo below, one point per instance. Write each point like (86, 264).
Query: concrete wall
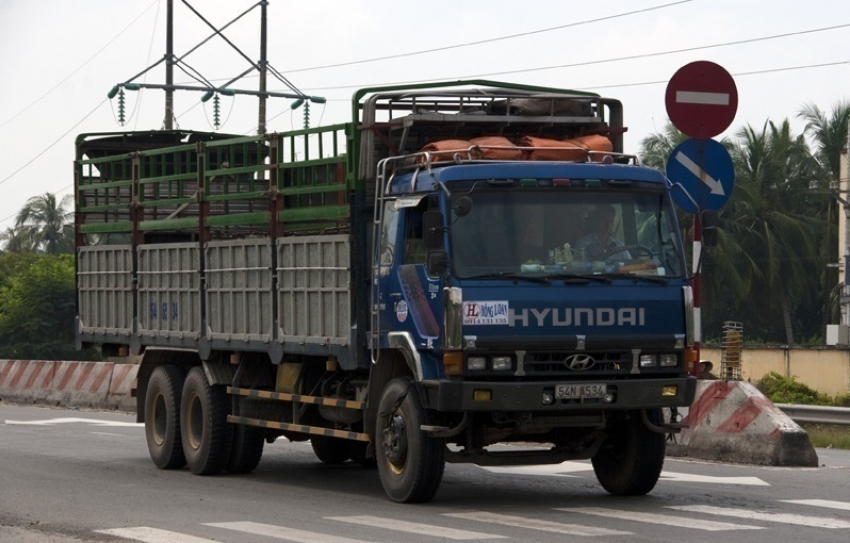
(824, 369)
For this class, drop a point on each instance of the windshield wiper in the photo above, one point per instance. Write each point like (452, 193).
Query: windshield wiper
(636, 277)
(570, 277)
(511, 275)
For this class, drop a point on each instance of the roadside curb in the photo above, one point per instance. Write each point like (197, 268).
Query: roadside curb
(732, 421)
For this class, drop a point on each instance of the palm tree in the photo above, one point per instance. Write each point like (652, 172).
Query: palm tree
(655, 149)
(18, 240)
(45, 220)
(775, 220)
(829, 134)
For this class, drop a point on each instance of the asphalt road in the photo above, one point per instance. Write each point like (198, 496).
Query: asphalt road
(70, 476)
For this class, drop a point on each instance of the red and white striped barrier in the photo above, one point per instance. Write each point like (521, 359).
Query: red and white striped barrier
(66, 383)
(28, 378)
(732, 421)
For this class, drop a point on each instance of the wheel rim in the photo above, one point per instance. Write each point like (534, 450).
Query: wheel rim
(159, 417)
(395, 442)
(195, 422)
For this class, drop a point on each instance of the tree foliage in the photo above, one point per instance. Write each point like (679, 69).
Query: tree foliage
(37, 307)
(775, 237)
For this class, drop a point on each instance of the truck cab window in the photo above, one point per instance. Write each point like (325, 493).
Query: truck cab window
(389, 234)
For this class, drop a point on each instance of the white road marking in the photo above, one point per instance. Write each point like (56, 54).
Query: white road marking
(72, 420)
(670, 476)
(714, 184)
(783, 518)
(282, 532)
(154, 535)
(829, 504)
(567, 469)
(415, 528)
(534, 524)
(655, 518)
(704, 98)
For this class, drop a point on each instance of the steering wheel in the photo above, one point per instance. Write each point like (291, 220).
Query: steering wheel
(596, 248)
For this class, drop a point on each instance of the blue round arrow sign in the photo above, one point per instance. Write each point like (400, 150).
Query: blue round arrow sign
(704, 169)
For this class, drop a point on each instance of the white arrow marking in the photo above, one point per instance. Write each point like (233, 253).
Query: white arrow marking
(71, 420)
(715, 185)
(704, 98)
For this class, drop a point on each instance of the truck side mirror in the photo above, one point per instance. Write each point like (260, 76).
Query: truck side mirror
(433, 230)
(708, 225)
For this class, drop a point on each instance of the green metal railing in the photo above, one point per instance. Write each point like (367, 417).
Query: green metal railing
(287, 182)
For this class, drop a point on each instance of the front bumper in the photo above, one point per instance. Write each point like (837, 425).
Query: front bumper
(453, 396)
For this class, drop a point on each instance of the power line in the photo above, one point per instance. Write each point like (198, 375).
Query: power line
(595, 62)
(489, 40)
(57, 140)
(80, 67)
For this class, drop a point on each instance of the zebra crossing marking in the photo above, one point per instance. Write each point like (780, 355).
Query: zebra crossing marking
(656, 518)
(146, 534)
(416, 528)
(283, 532)
(829, 504)
(784, 518)
(534, 524)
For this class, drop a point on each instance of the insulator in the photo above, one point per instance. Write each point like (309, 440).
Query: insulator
(216, 111)
(121, 107)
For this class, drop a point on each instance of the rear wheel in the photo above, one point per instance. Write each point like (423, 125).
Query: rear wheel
(246, 450)
(205, 432)
(629, 462)
(162, 417)
(410, 462)
(330, 450)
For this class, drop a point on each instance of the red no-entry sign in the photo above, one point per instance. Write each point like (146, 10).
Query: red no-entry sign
(701, 99)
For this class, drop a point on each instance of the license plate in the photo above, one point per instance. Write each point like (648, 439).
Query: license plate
(587, 390)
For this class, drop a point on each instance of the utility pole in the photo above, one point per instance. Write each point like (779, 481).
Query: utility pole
(261, 122)
(169, 67)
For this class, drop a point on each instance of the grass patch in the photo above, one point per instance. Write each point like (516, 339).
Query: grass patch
(828, 435)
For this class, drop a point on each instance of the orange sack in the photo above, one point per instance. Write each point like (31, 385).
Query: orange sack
(446, 149)
(570, 150)
(507, 150)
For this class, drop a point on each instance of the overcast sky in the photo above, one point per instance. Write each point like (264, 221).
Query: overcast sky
(59, 59)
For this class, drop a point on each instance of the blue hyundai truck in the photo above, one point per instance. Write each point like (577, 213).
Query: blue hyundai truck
(468, 272)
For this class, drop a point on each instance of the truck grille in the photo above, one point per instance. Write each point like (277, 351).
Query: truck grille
(576, 364)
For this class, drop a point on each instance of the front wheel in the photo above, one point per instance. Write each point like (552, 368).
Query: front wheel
(410, 462)
(630, 460)
(204, 429)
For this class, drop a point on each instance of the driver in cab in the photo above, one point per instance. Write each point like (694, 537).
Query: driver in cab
(600, 244)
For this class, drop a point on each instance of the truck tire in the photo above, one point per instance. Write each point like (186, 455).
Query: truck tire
(410, 462)
(204, 429)
(630, 461)
(358, 454)
(330, 450)
(246, 450)
(162, 417)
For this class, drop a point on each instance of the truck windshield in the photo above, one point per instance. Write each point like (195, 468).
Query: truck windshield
(500, 232)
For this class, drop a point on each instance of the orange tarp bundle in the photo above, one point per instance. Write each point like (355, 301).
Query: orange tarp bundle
(501, 148)
(570, 150)
(504, 148)
(446, 149)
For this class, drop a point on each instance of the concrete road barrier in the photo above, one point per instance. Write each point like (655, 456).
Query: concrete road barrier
(26, 381)
(732, 421)
(99, 385)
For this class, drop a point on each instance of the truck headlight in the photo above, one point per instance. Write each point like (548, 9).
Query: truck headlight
(648, 360)
(502, 363)
(476, 363)
(668, 360)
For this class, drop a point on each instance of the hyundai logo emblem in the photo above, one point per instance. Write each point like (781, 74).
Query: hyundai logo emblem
(579, 362)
